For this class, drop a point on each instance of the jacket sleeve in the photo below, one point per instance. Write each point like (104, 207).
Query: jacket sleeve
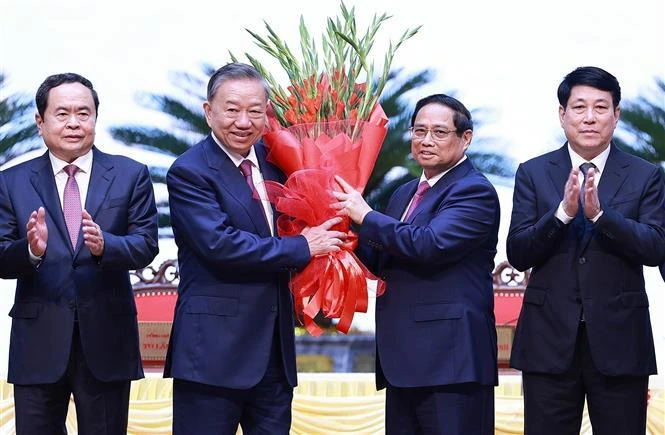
(462, 222)
(199, 219)
(531, 239)
(14, 257)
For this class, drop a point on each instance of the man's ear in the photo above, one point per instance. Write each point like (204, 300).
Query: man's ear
(467, 136)
(39, 121)
(207, 109)
(562, 112)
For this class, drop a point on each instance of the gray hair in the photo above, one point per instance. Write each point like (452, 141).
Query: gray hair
(235, 71)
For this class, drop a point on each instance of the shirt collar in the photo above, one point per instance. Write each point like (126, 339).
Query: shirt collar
(432, 181)
(600, 160)
(235, 157)
(83, 162)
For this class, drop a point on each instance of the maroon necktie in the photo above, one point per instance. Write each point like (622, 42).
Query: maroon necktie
(422, 188)
(71, 204)
(246, 169)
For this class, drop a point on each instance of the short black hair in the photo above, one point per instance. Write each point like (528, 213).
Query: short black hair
(589, 76)
(41, 98)
(462, 118)
(234, 71)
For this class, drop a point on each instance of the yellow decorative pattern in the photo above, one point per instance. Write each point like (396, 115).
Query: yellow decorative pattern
(323, 404)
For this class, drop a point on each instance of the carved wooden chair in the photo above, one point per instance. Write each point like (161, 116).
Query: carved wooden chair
(155, 293)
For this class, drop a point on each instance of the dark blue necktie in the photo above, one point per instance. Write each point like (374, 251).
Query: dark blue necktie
(581, 223)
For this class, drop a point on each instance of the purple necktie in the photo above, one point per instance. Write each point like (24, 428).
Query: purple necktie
(422, 188)
(71, 204)
(246, 169)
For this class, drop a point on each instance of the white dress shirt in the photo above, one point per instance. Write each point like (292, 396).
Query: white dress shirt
(256, 177)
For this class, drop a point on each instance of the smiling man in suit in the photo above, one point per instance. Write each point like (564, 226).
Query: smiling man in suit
(72, 223)
(434, 247)
(586, 218)
(232, 349)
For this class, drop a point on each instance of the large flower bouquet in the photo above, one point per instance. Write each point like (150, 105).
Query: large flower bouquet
(327, 122)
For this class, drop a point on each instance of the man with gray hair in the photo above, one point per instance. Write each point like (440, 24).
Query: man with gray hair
(232, 349)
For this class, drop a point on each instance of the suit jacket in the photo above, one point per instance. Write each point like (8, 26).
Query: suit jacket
(233, 288)
(120, 199)
(599, 272)
(435, 323)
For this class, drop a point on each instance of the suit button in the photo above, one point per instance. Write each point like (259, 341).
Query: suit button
(582, 260)
(578, 300)
(273, 308)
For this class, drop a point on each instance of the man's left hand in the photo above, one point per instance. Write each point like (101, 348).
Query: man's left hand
(92, 235)
(591, 201)
(351, 202)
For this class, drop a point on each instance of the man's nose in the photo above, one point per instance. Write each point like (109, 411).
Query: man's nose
(589, 116)
(243, 119)
(72, 121)
(427, 140)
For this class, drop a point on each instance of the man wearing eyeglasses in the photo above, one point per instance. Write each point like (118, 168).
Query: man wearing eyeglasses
(434, 247)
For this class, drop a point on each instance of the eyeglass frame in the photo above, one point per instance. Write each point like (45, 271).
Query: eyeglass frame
(431, 132)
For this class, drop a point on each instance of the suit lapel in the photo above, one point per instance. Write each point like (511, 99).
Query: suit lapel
(559, 170)
(434, 194)
(397, 207)
(269, 173)
(43, 180)
(234, 182)
(613, 176)
(101, 178)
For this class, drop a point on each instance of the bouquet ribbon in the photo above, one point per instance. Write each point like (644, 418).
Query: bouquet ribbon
(311, 155)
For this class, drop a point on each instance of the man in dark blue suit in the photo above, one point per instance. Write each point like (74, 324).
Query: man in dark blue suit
(586, 218)
(435, 247)
(232, 349)
(90, 218)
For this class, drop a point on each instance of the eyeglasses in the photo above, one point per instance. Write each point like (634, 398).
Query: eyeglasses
(437, 133)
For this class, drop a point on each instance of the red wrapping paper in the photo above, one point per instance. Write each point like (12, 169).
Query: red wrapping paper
(311, 155)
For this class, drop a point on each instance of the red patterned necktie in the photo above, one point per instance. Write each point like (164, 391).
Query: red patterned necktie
(422, 188)
(246, 169)
(71, 204)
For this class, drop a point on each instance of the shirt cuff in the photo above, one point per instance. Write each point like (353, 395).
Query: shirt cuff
(562, 215)
(33, 258)
(596, 217)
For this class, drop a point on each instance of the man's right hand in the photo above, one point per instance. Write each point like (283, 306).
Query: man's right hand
(322, 240)
(571, 194)
(37, 232)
